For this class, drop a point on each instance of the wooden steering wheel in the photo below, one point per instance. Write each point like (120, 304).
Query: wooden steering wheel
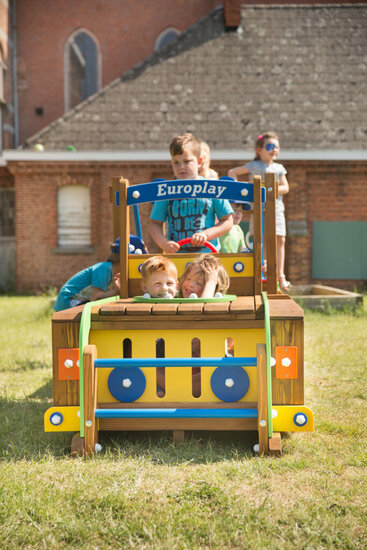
(207, 244)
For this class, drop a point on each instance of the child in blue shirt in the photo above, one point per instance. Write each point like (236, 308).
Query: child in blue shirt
(193, 218)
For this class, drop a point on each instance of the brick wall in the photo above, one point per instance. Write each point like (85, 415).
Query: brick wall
(318, 192)
(125, 31)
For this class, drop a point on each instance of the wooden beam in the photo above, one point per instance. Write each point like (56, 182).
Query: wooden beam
(271, 237)
(90, 399)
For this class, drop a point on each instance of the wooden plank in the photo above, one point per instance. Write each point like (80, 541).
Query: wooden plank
(271, 238)
(285, 309)
(138, 309)
(165, 309)
(124, 213)
(187, 309)
(90, 400)
(213, 308)
(243, 304)
(64, 336)
(178, 436)
(288, 332)
(77, 446)
(158, 424)
(262, 405)
(257, 236)
(275, 445)
(259, 307)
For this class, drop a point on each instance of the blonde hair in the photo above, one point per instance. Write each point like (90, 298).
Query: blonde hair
(223, 280)
(157, 263)
(260, 141)
(204, 169)
(184, 142)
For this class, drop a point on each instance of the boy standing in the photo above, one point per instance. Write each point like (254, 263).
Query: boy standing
(193, 217)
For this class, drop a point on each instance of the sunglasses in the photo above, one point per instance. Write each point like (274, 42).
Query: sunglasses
(270, 146)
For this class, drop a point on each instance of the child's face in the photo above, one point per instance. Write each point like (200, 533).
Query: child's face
(186, 166)
(193, 283)
(237, 213)
(160, 283)
(270, 150)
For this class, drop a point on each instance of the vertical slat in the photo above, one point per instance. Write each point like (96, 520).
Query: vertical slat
(113, 189)
(124, 238)
(262, 404)
(271, 238)
(257, 236)
(90, 399)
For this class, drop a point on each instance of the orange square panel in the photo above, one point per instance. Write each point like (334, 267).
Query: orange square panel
(69, 364)
(286, 362)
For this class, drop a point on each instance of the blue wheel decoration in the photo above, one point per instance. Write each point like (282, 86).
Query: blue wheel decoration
(300, 419)
(56, 418)
(126, 384)
(229, 383)
(238, 267)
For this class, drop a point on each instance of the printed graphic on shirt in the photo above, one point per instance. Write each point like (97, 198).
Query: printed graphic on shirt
(186, 217)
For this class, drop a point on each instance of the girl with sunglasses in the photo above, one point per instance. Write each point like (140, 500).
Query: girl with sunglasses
(267, 150)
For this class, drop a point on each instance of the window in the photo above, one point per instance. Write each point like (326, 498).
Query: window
(73, 215)
(166, 37)
(7, 212)
(82, 74)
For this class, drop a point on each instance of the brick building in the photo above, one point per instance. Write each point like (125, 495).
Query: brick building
(284, 68)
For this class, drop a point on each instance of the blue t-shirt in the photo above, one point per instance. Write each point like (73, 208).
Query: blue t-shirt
(80, 285)
(188, 216)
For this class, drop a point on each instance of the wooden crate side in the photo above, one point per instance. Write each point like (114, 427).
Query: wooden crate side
(288, 332)
(64, 335)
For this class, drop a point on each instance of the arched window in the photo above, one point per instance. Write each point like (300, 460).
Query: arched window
(73, 216)
(82, 71)
(166, 37)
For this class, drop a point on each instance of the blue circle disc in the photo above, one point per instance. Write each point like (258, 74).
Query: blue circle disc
(230, 383)
(132, 377)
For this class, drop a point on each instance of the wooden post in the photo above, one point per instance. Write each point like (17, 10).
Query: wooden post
(271, 237)
(262, 402)
(257, 236)
(90, 399)
(124, 238)
(113, 189)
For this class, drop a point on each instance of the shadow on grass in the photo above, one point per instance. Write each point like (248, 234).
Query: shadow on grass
(23, 438)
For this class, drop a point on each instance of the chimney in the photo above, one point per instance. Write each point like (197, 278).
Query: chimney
(232, 14)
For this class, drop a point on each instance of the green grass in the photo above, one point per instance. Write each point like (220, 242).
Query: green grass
(209, 492)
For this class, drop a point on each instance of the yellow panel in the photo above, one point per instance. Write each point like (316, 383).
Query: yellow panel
(227, 261)
(284, 421)
(70, 423)
(177, 344)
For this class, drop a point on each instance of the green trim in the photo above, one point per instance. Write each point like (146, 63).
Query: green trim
(225, 298)
(268, 362)
(84, 330)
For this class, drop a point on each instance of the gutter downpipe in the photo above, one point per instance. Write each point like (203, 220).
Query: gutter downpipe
(14, 72)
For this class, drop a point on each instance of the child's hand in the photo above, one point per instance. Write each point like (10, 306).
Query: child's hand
(171, 247)
(198, 239)
(210, 272)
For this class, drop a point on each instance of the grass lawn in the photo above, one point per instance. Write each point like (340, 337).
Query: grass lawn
(209, 492)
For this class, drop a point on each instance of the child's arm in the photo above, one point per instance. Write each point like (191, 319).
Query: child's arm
(156, 231)
(221, 228)
(238, 171)
(283, 186)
